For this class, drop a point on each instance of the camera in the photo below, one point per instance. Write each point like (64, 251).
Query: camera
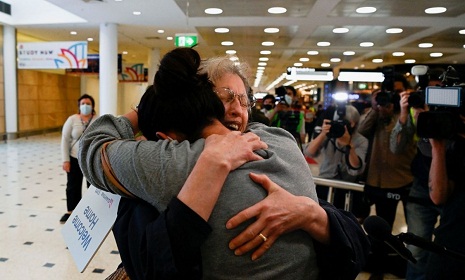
(445, 103)
(337, 128)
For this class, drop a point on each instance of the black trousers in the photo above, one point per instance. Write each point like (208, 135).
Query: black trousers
(74, 185)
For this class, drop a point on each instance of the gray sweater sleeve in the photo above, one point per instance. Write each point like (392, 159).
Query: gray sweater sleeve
(154, 171)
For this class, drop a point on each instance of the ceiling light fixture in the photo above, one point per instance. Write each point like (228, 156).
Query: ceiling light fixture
(398, 54)
(136, 13)
(90, 39)
(365, 10)
(462, 31)
(221, 30)
(435, 10)
(377, 60)
(366, 44)
(271, 30)
(267, 44)
(298, 64)
(348, 53)
(231, 52)
(263, 59)
(304, 59)
(277, 10)
(312, 52)
(73, 33)
(325, 64)
(161, 31)
(262, 64)
(394, 30)
(213, 11)
(227, 43)
(335, 59)
(435, 54)
(340, 30)
(323, 44)
(409, 61)
(425, 45)
(265, 52)
(169, 38)
(125, 52)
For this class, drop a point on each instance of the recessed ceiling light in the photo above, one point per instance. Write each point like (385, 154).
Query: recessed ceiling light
(394, 30)
(125, 52)
(340, 30)
(323, 44)
(366, 44)
(263, 59)
(90, 39)
(377, 60)
(365, 10)
(277, 10)
(213, 11)
(410, 61)
(435, 10)
(462, 31)
(435, 54)
(312, 52)
(398, 54)
(227, 43)
(348, 53)
(136, 13)
(335, 59)
(234, 58)
(73, 33)
(161, 31)
(304, 59)
(231, 52)
(221, 30)
(425, 45)
(298, 64)
(262, 64)
(271, 30)
(260, 68)
(265, 52)
(169, 38)
(268, 43)
(325, 64)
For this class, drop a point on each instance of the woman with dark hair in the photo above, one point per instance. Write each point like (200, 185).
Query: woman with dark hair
(71, 134)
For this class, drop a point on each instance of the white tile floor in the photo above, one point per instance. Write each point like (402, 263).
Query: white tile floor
(32, 200)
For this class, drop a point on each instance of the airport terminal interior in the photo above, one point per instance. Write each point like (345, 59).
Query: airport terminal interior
(320, 47)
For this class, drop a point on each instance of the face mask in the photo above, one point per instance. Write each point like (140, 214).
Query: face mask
(288, 99)
(85, 109)
(268, 107)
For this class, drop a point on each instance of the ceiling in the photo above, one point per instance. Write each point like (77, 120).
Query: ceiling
(305, 23)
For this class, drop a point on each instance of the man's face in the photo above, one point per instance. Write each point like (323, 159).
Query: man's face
(236, 116)
(268, 101)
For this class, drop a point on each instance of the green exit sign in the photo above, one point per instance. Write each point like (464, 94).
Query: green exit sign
(185, 40)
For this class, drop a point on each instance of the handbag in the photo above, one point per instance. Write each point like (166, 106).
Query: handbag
(118, 274)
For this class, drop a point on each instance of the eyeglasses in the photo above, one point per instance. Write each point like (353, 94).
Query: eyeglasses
(228, 95)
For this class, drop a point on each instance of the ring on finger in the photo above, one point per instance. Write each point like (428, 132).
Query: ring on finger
(263, 237)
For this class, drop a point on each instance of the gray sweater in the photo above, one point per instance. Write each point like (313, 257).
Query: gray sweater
(156, 171)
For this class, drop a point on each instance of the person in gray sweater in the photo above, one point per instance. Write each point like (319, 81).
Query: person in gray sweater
(156, 172)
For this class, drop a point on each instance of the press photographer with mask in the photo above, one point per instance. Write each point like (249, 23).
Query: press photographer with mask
(343, 149)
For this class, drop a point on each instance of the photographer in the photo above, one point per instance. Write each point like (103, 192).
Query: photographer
(343, 149)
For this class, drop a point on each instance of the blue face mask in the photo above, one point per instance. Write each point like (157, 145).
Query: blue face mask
(85, 109)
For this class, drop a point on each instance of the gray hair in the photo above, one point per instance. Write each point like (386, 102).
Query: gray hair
(217, 67)
(352, 114)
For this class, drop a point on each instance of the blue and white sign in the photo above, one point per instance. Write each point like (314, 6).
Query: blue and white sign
(52, 55)
(89, 225)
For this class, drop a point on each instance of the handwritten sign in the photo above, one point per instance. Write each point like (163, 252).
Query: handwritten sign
(89, 225)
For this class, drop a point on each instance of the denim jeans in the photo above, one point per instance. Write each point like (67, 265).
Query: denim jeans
(421, 216)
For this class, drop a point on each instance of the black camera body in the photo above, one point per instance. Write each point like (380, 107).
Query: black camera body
(337, 128)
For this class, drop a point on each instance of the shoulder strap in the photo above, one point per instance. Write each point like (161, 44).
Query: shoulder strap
(110, 174)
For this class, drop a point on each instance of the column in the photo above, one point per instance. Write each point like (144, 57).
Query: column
(108, 77)
(153, 61)
(10, 81)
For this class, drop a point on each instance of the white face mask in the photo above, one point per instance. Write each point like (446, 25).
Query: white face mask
(85, 109)
(288, 99)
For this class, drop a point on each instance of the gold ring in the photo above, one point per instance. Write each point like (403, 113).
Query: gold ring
(263, 237)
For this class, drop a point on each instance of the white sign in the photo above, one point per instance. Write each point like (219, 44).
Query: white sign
(89, 225)
(52, 55)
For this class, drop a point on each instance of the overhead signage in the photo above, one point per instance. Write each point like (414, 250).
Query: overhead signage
(52, 55)
(89, 225)
(186, 40)
(360, 76)
(134, 73)
(308, 74)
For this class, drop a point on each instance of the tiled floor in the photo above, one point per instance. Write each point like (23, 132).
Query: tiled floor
(32, 200)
